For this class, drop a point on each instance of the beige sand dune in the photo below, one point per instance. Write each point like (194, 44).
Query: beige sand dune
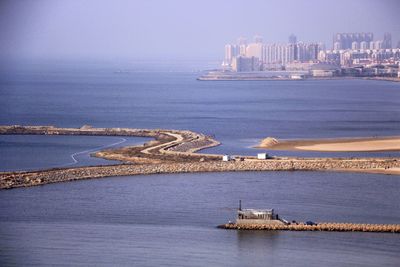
(335, 145)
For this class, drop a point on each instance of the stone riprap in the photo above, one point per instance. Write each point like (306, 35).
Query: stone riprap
(172, 151)
(18, 179)
(325, 226)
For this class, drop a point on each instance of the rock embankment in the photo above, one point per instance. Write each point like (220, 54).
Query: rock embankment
(168, 146)
(20, 179)
(331, 227)
(172, 151)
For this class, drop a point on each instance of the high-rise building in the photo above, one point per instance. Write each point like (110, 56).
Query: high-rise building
(288, 54)
(269, 55)
(255, 50)
(292, 39)
(231, 51)
(379, 45)
(313, 50)
(345, 40)
(242, 43)
(376, 45)
(372, 45)
(242, 50)
(355, 46)
(278, 53)
(245, 64)
(364, 45)
(387, 41)
(307, 52)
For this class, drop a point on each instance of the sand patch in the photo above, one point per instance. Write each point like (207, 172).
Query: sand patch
(335, 145)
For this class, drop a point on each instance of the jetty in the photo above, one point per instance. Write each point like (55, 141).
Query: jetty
(322, 226)
(267, 219)
(172, 151)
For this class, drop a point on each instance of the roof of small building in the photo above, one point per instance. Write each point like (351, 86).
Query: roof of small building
(257, 211)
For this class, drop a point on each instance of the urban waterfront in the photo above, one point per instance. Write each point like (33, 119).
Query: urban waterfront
(165, 219)
(352, 55)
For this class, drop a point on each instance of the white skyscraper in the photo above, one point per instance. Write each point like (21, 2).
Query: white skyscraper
(231, 51)
(255, 50)
(363, 45)
(355, 46)
(372, 45)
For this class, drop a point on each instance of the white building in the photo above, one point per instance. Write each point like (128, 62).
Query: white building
(355, 46)
(255, 50)
(364, 45)
(262, 156)
(227, 158)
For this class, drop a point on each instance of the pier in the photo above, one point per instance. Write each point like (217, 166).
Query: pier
(323, 226)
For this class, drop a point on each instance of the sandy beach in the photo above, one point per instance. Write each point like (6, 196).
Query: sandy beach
(368, 144)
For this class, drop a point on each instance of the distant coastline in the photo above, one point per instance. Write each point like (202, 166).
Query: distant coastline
(281, 76)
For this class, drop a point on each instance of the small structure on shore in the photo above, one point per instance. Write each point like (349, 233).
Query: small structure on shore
(227, 158)
(257, 216)
(262, 156)
(297, 76)
(254, 219)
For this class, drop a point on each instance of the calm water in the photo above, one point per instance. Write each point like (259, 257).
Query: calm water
(22, 152)
(170, 219)
(239, 114)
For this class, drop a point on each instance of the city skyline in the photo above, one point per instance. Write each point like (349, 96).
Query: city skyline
(294, 38)
(177, 29)
(347, 49)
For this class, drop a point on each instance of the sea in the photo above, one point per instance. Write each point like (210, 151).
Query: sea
(171, 219)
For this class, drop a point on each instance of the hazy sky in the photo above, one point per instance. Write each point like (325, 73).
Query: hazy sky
(178, 28)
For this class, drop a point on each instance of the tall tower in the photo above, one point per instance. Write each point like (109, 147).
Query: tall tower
(242, 43)
(345, 40)
(387, 41)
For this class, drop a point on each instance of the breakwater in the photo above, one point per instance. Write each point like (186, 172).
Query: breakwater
(168, 145)
(325, 226)
(172, 151)
(30, 178)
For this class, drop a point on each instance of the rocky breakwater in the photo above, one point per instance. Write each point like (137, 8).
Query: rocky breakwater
(326, 226)
(168, 145)
(21, 179)
(171, 151)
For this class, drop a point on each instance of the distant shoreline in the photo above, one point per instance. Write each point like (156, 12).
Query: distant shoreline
(388, 79)
(283, 75)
